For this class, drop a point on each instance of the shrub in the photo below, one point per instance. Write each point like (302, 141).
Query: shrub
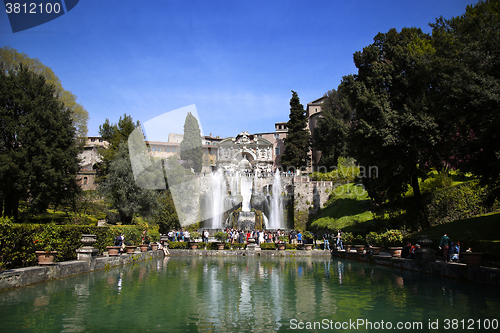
(268, 246)
(393, 237)
(178, 245)
(221, 236)
(374, 239)
(347, 238)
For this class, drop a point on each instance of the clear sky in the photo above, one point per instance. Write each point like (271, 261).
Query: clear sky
(236, 60)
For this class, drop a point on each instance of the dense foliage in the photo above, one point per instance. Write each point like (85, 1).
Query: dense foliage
(18, 242)
(38, 147)
(10, 60)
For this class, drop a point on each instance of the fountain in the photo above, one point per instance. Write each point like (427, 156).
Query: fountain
(234, 197)
(218, 183)
(276, 220)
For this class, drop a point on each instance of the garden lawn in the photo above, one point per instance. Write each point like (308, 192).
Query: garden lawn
(347, 206)
(486, 227)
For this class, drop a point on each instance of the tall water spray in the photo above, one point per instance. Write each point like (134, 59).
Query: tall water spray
(218, 194)
(276, 220)
(246, 193)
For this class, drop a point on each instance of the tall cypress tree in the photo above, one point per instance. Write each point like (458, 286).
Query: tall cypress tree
(191, 149)
(298, 139)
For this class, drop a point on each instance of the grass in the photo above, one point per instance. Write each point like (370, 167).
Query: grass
(486, 227)
(348, 205)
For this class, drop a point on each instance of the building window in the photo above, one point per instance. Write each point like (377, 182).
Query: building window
(101, 140)
(276, 136)
(277, 150)
(159, 149)
(92, 140)
(85, 180)
(154, 149)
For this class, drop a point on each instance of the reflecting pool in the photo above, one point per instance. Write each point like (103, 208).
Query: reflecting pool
(250, 294)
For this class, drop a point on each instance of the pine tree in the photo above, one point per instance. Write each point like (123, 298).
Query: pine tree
(298, 139)
(191, 149)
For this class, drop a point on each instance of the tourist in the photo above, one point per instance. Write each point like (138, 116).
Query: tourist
(340, 246)
(261, 237)
(205, 236)
(444, 244)
(326, 244)
(241, 236)
(164, 248)
(248, 235)
(299, 237)
(187, 235)
(406, 250)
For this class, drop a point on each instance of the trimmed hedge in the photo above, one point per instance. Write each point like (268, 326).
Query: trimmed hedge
(18, 242)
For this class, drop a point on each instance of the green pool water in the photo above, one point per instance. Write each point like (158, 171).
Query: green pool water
(251, 294)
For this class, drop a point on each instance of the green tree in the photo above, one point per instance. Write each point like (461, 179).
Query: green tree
(38, 148)
(115, 135)
(121, 191)
(10, 60)
(396, 127)
(166, 215)
(298, 138)
(191, 149)
(330, 136)
(468, 49)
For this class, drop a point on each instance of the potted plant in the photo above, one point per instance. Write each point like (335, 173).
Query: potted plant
(375, 242)
(359, 244)
(393, 241)
(221, 237)
(130, 247)
(308, 240)
(281, 245)
(46, 244)
(348, 239)
(195, 239)
(472, 258)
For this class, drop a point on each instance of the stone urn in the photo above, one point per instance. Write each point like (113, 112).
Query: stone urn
(220, 245)
(144, 247)
(45, 257)
(376, 250)
(87, 251)
(472, 258)
(130, 249)
(425, 253)
(113, 251)
(154, 247)
(348, 248)
(281, 246)
(396, 251)
(193, 245)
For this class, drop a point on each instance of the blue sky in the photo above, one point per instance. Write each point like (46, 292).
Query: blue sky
(237, 61)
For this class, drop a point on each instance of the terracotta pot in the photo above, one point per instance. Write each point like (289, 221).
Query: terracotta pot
(359, 248)
(472, 258)
(113, 251)
(144, 247)
(396, 251)
(308, 247)
(45, 257)
(220, 246)
(130, 249)
(154, 247)
(281, 246)
(193, 245)
(348, 248)
(376, 250)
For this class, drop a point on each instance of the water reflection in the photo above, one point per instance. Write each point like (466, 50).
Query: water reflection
(228, 294)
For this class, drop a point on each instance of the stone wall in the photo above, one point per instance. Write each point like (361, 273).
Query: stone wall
(311, 195)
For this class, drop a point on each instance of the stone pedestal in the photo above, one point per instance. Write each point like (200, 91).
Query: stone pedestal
(87, 252)
(425, 254)
(251, 246)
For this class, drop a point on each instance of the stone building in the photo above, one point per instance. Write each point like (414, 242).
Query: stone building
(85, 177)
